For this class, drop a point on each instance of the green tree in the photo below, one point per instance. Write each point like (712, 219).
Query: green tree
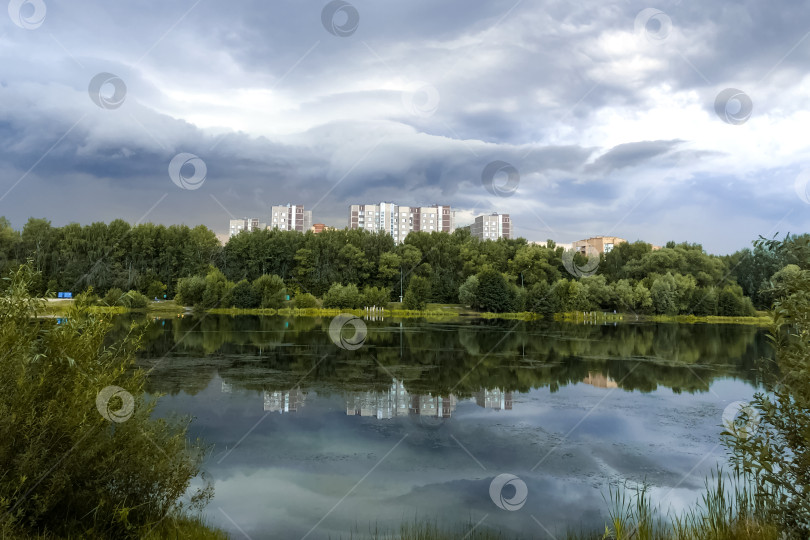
(69, 471)
(244, 296)
(493, 292)
(343, 297)
(417, 295)
(468, 292)
(270, 290)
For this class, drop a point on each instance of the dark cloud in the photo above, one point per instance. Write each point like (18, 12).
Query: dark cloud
(282, 111)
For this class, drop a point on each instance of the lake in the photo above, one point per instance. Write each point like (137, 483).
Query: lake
(520, 427)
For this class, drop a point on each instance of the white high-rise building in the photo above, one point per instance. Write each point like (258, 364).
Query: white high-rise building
(290, 217)
(491, 227)
(245, 224)
(398, 220)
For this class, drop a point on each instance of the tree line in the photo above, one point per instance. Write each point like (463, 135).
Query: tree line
(355, 268)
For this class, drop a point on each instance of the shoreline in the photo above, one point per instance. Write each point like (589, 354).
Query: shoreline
(439, 312)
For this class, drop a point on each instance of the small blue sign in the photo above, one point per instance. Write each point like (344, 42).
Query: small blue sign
(64, 295)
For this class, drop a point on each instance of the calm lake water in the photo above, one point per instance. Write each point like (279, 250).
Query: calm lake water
(314, 440)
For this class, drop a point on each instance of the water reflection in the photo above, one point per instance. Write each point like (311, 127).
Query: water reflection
(420, 420)
(441, 359)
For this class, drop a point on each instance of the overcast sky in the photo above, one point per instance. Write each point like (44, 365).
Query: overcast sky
(608, 111)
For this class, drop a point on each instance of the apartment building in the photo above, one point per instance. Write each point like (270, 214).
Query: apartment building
(245, 224)
(290, 217)
(398, 220)
(491, 227)
(283, 402)
(602, 244)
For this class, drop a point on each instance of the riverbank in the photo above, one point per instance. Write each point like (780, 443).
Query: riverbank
(433, 312)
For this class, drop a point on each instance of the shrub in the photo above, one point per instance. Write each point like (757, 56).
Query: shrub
(375, 296)
(417, 294)
(134, 300)
(217, 288)
(305, 301)
(468, 292)
(190, 290)
(340, 296)
(67, 470)
(270, 291)
(113, 297)
(244, 296)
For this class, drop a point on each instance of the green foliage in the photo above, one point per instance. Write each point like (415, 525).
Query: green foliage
(244, 296)
(217, 289)
(113, 297)
(493, 292)
(468, 292)
(190, 290)
(67, 470)
(271, 291)
(305, 301)
(146, 257)
(133, 300)
(775, 456)
(343, 297)
(417, 295)
(375, 296)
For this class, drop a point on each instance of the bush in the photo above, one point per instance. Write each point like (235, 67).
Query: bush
(305, 301)
(374, 296)
(468, 292)
(417, 294)
(134, 300)
(342, 297)
(68, 471)
(270, 291)
(774, 451)
(155, 289)
(217, 288)
(244, 296)
(113, 297)
(190, 291)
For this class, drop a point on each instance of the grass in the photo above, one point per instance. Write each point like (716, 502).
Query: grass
(432, 311)
(170, 528)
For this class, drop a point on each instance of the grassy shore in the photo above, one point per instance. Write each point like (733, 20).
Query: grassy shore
(168, 308)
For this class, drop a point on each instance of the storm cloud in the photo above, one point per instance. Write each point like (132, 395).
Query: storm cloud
(608, 111)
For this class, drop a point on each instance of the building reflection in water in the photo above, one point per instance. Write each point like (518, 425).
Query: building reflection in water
(397, 401)
(600, 381)
(495, 399)
(284, 401)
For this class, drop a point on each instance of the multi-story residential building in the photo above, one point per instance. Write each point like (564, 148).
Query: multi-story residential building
(494, 399)
(397, 401)
(491, 226)
(283, 402)
(292, 217)
(245, 224)
(601, 244)
(318, 228)
(398, 220)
